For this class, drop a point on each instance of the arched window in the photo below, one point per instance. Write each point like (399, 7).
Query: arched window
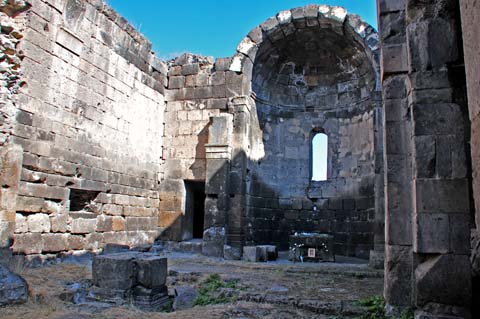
(319, 161)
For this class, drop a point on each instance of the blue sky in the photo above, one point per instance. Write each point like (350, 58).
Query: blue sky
(212, 27)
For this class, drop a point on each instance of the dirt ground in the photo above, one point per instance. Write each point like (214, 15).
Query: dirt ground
(265, 290)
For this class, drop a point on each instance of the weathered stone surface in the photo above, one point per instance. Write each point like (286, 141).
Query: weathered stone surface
(13, 288)
(83, 226)
(185, 297)
(115, 271)
(38, 223)
(213, 241)
(53, 243)
(398, 273)
(438, 277)
(151, 270)
(111, 248)
(59, 223)
(150, 299)
(231, 253)
(252, 253)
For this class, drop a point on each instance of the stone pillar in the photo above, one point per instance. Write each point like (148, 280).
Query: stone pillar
(441, 212)
(240, 108)
(11, 157)
(427, 187)
(397, 149)
(377, 254)
(218, 154)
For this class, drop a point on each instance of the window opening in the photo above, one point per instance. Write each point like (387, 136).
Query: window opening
(319, 157)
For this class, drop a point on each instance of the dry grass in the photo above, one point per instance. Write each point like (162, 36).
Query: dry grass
(47, 284)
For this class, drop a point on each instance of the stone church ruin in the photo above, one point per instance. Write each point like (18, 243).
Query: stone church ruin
(101, 142)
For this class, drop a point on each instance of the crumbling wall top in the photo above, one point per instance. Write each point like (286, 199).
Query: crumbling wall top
(287, 22)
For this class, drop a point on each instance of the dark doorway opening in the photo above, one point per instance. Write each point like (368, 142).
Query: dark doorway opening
(195, 209)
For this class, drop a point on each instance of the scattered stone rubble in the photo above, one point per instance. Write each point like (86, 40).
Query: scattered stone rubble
(13, 288)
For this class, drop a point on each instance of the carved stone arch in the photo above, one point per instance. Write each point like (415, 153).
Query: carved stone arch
(289, 22)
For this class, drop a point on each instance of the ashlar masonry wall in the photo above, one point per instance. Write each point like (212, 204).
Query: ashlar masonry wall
(89, 119)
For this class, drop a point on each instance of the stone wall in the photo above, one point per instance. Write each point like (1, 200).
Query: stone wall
(427, 167)
(89, 118)
(12, 24)
(199, 89)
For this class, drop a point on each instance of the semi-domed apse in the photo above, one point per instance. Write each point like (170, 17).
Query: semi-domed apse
(313, 70)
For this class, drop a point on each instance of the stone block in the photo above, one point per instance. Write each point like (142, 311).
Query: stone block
(444, 279)
(213, 242)
(231, 253)
(111, 209)
(118, 223)
(222, 64)
(425, 159)
(151, 300)
(151, 270)
(217, 103)
(69, 41)
(176, 82)
(115, 248)
(394, 58)
(104, 223)
(116, 237)
(185, 297)
(59, 223)
(38, 223)
(201, 79)
(431, 233)
(54, 243)
(217, 78)
(83, 226)
(437, 196)
(140, 223)
(252, 253)
(175, 70)
(438, 119)
(385, 6)
(190, 69)
(76, 242)
(376, 259)
(398, 275)
(21, 225)
(30, 243)
(190, 81)
(114, 271)
(94, 241)
(459, 234)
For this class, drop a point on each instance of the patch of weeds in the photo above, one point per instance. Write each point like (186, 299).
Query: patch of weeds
(375, 308)
(210, 291)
